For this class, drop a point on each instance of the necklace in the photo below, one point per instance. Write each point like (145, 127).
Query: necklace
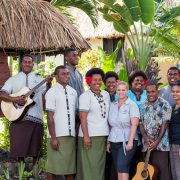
(101, 103)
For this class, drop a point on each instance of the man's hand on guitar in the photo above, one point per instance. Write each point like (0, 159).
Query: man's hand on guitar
(21, 100)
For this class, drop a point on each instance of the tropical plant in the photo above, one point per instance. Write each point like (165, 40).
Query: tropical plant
(108, 62)
(21, 169)
(4, 134)
(166, 31)
(6, 173)
(135, 18)
(88, 6)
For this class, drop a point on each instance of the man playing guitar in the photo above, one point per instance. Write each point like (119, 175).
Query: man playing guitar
(26, 134)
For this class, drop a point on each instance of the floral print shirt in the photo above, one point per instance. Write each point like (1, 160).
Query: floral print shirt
(152, 117)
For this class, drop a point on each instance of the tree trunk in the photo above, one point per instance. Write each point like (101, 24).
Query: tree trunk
(4, 70)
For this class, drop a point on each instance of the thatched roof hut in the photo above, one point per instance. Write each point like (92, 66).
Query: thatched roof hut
(103, 30)
(36, 25)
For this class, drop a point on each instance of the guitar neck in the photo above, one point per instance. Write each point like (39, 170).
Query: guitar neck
(36, 87)
(147, 160)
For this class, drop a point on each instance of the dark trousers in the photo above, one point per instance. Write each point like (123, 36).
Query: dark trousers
(110, 171)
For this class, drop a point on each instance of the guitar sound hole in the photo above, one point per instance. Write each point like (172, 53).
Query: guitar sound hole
(144, 174)
(18, 106)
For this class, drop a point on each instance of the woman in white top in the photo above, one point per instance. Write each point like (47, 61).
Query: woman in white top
(93, 110)
(123, 119)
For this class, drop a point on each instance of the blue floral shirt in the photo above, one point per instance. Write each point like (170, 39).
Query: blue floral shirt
(152, 116)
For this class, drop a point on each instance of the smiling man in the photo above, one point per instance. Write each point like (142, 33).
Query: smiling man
(26, 134)
(61, 101)
(173, 75)
(155, 114)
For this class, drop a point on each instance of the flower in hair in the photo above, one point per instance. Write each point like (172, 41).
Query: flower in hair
(145, 82)
(88, 79)
(118, 81)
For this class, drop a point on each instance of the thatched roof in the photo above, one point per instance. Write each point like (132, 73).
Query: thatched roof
(36, 25)
(103, 30)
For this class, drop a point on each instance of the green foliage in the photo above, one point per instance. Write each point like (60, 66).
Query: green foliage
(88, 60)
(45, 68)
(147, 10)
(166, 31)
(123, 76)
(134, 9)
(108, 62)
(14, 66)
(6, 173)
(4, 135)
(142, 15)
(21, 169)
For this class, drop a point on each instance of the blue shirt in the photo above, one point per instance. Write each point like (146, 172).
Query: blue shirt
(132, 96)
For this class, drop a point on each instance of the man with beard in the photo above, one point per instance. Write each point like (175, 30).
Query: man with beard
(173, 75)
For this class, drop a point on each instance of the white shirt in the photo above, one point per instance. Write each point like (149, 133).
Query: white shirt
(17, 82)
(56, 102)
(97, 124)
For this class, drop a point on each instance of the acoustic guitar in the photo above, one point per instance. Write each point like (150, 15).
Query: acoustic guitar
(146, 171)
(15, 112)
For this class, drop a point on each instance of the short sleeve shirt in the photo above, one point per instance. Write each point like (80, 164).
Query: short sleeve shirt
(96, 115)
(64, 112)
(120, 120)
(152, 116)
(21, 80)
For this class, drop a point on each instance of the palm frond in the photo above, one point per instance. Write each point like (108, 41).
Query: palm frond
(88, 6)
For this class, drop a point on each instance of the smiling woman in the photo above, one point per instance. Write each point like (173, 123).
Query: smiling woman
(174, 133)
(123, 119)
(93, 108)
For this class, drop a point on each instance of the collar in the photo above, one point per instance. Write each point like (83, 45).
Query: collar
(135, 92)
(60, 86)
(155, 103)
(127, 101)
(112, 97)
(70, 68)
(26, 74)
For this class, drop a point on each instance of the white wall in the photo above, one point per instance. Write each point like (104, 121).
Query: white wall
(58, 60)
(95, 43)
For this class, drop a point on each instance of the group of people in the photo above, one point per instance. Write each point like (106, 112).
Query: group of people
(98, 134)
